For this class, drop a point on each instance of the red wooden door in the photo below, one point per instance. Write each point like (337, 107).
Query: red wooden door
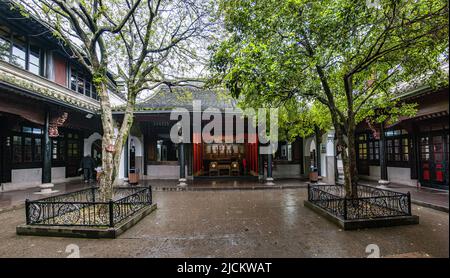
(433, 160)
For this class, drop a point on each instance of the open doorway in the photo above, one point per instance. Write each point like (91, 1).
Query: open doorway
(96, 151)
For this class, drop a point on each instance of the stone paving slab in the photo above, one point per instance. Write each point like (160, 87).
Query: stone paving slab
(237, 223)
(16, 199)
(436, 199)
(84, 231)
(409, 255)
(10, 200)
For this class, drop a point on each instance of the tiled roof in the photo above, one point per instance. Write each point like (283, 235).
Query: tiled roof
(418, 85)
(166, 99)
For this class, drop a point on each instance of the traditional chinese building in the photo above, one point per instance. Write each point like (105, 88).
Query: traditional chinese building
(412, 151)
(49, 119)
(49, 115)
(158, 157)
(48, 106)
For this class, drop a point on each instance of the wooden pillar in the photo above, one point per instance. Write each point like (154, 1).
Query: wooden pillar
(383, 158)
(125, 159)
(269, 165)
(269, 180)
(145, 151)
(181, 160)
(260, 165)
(414, 154)
(318, 142)
(47, 152)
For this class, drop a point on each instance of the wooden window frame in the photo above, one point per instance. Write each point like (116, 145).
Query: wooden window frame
(390, 149)
(33, 136)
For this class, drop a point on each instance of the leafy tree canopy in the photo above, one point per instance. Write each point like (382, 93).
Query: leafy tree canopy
(347, 55)
(274, 48)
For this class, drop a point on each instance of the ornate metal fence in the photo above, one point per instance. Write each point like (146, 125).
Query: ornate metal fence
(371, 202)
(81, 208)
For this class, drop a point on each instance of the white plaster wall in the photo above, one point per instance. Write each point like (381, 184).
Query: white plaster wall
(137, 145)
(308, 145)
(330, 176)
(139, 152)
(88, 142)
(323, 164)
(286, 171)
(329, 139)
(30, 177)
(58, 174)
(327, 159)
(122, 165)
(400, 175)
(395, 175)
(375, 172)
(312, 146)
(163, 172)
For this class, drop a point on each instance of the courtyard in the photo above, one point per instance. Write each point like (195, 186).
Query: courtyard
(237, 223)
(224, 130)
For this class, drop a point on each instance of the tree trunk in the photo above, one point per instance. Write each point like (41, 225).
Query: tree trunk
(107, 179)
(352, 167)
(341, 146)
(345, 132)
(350, 126)
(112, 143)
(123, 133)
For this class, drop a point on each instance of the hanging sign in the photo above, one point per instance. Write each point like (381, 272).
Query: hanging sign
(110, 148)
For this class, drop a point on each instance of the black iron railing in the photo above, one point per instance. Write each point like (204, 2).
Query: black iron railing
(371, 202)
(82, 208)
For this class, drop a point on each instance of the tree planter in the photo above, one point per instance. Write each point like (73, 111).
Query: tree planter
(372, 208)
(81, 214)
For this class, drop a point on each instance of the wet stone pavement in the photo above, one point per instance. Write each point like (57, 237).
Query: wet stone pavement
(238, 223)
(16, 198)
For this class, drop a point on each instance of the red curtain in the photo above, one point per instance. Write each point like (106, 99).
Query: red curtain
(251, 153)
(197, 151)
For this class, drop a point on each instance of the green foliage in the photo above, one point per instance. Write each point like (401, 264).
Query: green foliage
(274, 50)
(23, 12)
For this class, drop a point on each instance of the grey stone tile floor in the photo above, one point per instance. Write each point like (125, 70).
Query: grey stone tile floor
(237, 223)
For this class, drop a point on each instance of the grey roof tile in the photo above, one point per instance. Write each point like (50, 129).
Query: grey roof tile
(166, 99)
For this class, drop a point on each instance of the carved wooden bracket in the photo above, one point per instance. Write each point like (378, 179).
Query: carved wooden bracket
(375, 130)
(55, 123)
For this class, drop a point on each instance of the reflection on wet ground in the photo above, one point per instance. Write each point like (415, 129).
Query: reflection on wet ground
(238, 223)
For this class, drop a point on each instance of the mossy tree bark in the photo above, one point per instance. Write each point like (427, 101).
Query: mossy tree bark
(140, 36)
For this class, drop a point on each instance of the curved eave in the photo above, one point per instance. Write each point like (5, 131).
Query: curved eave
(414, 92)
(34, 95)
(23, 82)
